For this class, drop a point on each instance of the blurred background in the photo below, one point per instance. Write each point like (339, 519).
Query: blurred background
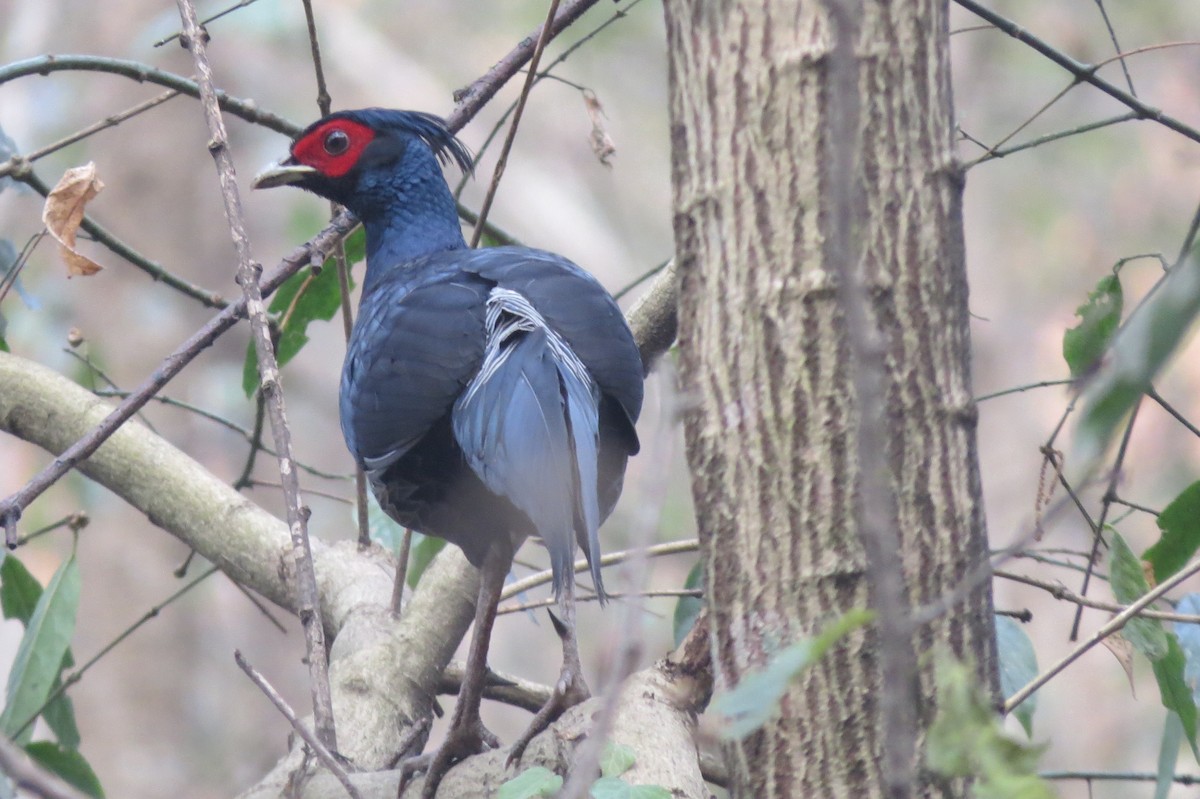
(168, 712)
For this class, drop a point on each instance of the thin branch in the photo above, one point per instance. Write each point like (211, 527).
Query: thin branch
(321, 751)
(209, 299)
(1114, 625)
(1112, 35)
(317, 249)
(307, 597)
(657, 550)
(995, 153)
(648, 594)
(1153, 394)
(1060, 591)
(1105, 507)
(13, 505)
(1120, 776)
(543, 37)
(247, 110)
(19, 162)
(206, 20)
(1083, 72)
(77, 675)
(473, 97)
(1018, 389)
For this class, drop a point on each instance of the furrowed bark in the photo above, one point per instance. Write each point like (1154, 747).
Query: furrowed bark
(766, 360)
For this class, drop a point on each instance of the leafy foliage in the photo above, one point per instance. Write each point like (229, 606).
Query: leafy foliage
(1139, 350)
(1018, 666)
(67, 763)
(305, 297)
(754, 701)
(42, 657)
(1180, 525)
(688, 607)
(1149, 637)
(530, 784)
(1129, 584)
(966, 740)
(41, 652)
(616, 759)
(1098, 319)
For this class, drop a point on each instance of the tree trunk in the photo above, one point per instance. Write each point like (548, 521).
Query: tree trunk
(768, 371)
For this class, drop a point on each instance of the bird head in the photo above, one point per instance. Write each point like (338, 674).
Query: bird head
(368, 158)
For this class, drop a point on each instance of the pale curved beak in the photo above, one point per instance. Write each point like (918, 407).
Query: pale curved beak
(281, 174)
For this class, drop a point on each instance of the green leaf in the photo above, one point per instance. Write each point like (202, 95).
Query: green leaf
(19, 590)
(966, 740)
(19, 593)
(689, 607)
(531, 783)
(1168, 756)
(302, 299)
(754, 700)
(68, 764)
(1139, 350)
(1098, 319)
(1129, 584)
(617, 788)
(616, 759)
(1180, 525)
(41, 652)
(1018, 666)
(59, 716)
(424, 548)
(1176, 695)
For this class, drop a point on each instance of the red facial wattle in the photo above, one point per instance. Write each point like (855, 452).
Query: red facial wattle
(333, 148)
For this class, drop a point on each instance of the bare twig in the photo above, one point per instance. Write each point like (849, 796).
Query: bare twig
(543, 37)
(657, 550)
(1060, 591)
(1082, 72)
(12, 506)
(19, 162)
(321, 751)
(473, 97)
(155, 270)
(1105, 507)
(206, 20)
(78, 673)
(144, 73)
(1027, 387)
(1114, 625)
(307, 599)
(1112, 34)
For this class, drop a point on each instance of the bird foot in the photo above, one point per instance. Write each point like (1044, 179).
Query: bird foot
(568, 692)
(462, 741)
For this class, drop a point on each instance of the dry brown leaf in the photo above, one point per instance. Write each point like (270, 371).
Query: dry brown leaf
(63, 212)
(602, 144)
(1123, 651)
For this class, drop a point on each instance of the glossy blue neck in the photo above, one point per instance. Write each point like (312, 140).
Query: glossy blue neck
(407, 212)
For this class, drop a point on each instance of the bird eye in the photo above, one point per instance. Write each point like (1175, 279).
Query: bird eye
(336, 142)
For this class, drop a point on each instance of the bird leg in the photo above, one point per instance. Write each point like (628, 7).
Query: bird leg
(467, 735)
(570, 689)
